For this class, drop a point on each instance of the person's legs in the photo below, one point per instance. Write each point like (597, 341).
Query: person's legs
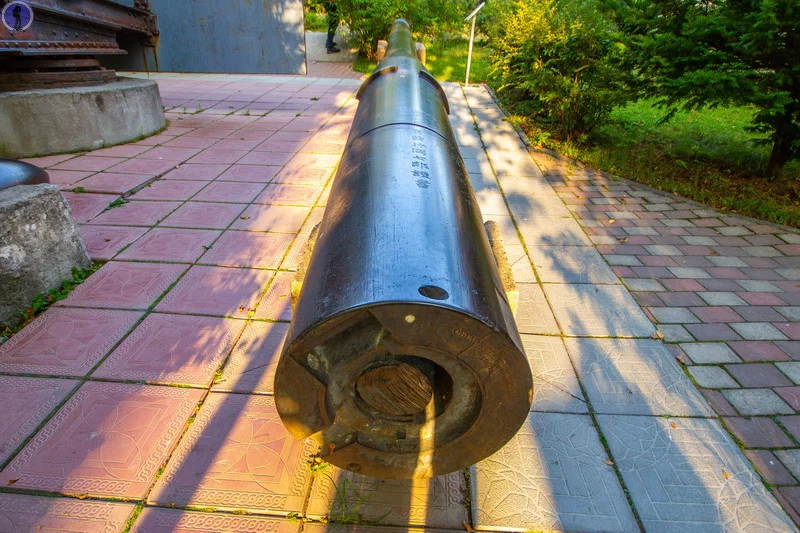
(333, 23)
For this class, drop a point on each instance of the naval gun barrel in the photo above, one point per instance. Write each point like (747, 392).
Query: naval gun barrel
(403, 359)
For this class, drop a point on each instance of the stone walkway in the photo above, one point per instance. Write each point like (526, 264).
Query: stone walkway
(144, 398)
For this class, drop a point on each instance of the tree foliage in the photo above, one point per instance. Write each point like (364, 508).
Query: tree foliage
(371, 20)
(698, 53)
(557, 58)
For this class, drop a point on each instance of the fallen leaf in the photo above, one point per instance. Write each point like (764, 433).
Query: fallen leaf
(467, 527)
(245, 218)
(725, 475)
(682, 359)
(673, 424)
(609, 463)
(611, 221)
(622, 240)
(12, 481)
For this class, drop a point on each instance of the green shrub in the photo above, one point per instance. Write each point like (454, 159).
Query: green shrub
(371, 20)
(555, 59)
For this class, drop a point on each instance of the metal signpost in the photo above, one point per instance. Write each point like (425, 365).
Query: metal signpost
(472, 16)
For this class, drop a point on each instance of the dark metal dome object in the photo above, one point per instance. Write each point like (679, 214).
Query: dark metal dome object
(13, 173)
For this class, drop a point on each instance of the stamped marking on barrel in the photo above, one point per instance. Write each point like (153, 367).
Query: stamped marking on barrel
(419, 161)
(397, 390)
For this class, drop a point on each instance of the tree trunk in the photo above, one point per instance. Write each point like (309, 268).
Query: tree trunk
(781, 150)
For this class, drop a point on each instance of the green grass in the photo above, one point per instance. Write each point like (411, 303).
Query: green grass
(704, 155)
(316, 21)
(446, 59)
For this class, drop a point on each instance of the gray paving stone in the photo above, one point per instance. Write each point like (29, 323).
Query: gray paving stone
(553, 231)
(623, 260)
(734, 231)
(662, 249)
(726, 261)
(677, 223)
(758, 331)
(555, 386)
(791, 274)
(712, 377)
(571, 264)
(790, 458)
(710, 353)
(553, 475)
(675, 333)
(527, 209)
(790, 312)
(700, 241)
(597, 310)
(721, 298)
(687, 475)
(674, 315)
(533, 314)
(634, 376)
(792, 371)
(791, 238)
(757, 402)
(755, 285)
(689, 272)
(762, 251)
(644, 285)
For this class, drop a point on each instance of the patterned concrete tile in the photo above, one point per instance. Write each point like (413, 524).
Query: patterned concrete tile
(156, 520)
(104, 242)
(598, 310)
(277, 302)
(237, 455)
(65, 342)
(279, 218)
(169, 244)
(570, 264)
(688, 475)
(553, 475)
(108, 440)
(248, 249)
(251, 367)
(121, 285)
(634, 376)
(533, 314)
(169, 190)
(24, 404)
(284, 194)
(555, 387)
(205, 215)
(20, 514)
(434, 502)
(216, 291)
(87, 206)
(172, 349)
(136, 213)
(313, 527)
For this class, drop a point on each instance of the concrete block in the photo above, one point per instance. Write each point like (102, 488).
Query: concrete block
(380, 52)
(51, 121)
(39, 245)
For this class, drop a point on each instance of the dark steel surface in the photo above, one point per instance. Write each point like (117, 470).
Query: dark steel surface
(14, 173)
(66, 30)
(403, 359)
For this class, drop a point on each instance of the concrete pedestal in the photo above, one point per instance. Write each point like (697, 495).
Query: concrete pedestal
(51, 121)
(39, 245)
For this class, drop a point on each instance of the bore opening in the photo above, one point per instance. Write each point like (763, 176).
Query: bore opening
(433, 292)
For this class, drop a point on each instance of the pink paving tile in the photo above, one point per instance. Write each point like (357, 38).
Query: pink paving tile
(753, 351)
(155, 140)
(119, 285)
(24, 404)
(136, 213)
(21, 513)
(760, 298)
(229, 191)
(303, 176)
(288, 147)
(109, 439)
(251, 366)
(249, 173)
(277, 302)
(203, 215)
(170, 190)
(104, 242)
(87, 206)
(236, 143)
(248, 249)
(66, 179)
(89, 163)
(716, 314)
(237, 455)
(170, 244)
(791, 395)
(190, 142)
(170, 153)
(212, 155)
(188, 171)
(216, 291)
(790, 329)
(123, 150)
(152, 167)
(48, 160)
(65, 342)
(112, 182)
(159, 520)
(286, 219)
(172, 349)
(266, 158)
(279, 193)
